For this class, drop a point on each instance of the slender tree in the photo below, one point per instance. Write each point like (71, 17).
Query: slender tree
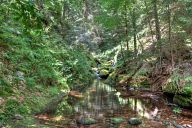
(134, 30)
(157, 24)
(126, 24)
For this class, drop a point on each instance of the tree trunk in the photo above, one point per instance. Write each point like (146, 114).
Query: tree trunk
(126, 26)
(134, 31)
(157, 26)
(170, 43)
(122, 54)
(158, 32)
(149, 22)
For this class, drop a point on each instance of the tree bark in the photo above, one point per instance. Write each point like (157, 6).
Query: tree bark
(134, 31)
(157, 26)
(158, 32)
(170, 43)
(149, 22)
(126, 25)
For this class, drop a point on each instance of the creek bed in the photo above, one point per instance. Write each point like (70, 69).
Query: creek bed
(104, 107)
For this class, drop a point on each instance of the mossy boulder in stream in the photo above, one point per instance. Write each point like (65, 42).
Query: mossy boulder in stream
(112, 78)
(86, 121)
(117, 120)
(135, 121)
(103, 73)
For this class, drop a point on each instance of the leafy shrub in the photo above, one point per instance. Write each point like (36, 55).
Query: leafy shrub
(13, 107)
(177, 110)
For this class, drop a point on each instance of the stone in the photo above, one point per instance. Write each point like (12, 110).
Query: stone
(117, 120)
(20, 75)
(187, 126)
(104, 74)
(170, 127)
(135, 121)
(86, 121)
(18, 117)
(179, 126)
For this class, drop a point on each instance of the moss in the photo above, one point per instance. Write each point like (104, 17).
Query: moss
(117, 120)
(170, 88)
(104, 72)
(183, 100)
(187, 90)
(112, 76)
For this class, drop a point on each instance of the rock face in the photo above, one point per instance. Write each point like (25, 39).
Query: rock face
(86, 121)
(134, 121)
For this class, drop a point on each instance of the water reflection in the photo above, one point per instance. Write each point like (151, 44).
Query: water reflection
(102, 102)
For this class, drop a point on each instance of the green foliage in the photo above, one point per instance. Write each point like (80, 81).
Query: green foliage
(11, 108)
(5, 87)
(64, 108)
(187, 90)
(54, 91)
(32, 39)
(177, 110)
(183, 100)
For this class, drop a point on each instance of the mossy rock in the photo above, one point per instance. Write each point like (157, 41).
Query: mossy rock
(183, 100)
(107, 64)
(104, 73)
(111, 78)
(135, 121)
(113, 75)
(170, 88)
(86, 121)
(117, 120)
(187, 90)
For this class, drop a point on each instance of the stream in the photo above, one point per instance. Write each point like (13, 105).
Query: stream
(106, 108)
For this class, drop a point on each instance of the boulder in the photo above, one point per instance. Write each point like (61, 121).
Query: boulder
(103, 74)
(117, 120)
(86, 121)
(179, 126)
(135, 121)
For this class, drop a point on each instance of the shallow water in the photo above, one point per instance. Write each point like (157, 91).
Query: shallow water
(102, 102)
